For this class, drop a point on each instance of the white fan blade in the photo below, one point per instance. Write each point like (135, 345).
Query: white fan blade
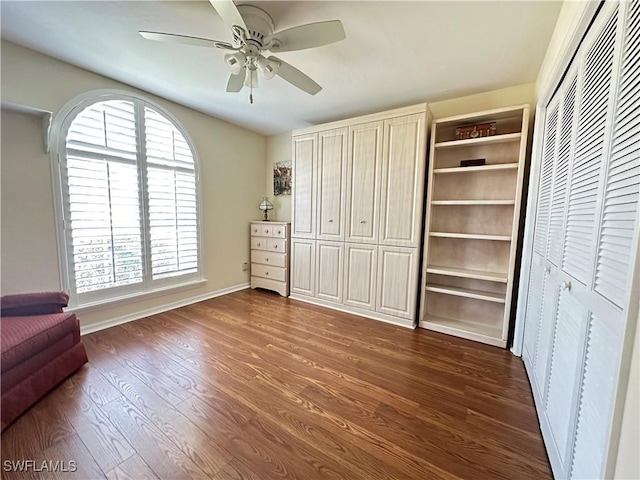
(185, 39)
(295, 77)
(308, 36)
(235, 82)
(229, 13)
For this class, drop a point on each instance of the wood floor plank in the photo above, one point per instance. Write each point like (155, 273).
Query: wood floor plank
(133, 468)
(253, 386)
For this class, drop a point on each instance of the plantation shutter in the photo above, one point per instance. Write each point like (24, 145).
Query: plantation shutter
(103, 210)
(544, 201)
(171, 184)
(621, 188)
(583, 193)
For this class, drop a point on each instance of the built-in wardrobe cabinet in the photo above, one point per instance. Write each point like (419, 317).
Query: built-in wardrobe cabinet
(579, 296)
(472, 223)
(358, 189)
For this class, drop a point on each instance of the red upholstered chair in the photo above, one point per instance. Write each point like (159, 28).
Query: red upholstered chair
(40, 347)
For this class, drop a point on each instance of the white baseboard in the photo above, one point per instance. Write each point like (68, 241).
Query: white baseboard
(95, 327)
(382, 317)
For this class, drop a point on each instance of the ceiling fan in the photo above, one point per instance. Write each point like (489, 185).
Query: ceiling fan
(253, 35)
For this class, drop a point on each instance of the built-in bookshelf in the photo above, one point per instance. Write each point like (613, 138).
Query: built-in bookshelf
(471, 222)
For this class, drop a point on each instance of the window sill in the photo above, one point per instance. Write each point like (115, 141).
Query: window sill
(135, 297)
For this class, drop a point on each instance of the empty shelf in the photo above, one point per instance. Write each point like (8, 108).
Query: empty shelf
(472, 331)
(473, 202)
(467, 292)
(471, 236)
(466, 273)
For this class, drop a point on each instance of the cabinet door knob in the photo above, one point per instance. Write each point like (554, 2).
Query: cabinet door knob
(566, 286)
(330, 221)
(363, 221)
(266, 231)
(279, 232)
(266, 259)
(275, 246)
(266, 273)
(259, 244)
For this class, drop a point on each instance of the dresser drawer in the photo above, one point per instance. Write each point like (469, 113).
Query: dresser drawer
(259, 243)
(256, 230)
(266, 230)
(269, 258)
(279, 231)
(276, 245)
(265, 271)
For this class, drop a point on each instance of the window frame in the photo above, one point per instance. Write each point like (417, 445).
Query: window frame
(58, 152)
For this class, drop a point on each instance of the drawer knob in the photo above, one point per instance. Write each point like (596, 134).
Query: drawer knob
(279, 232)
(363, 221)
(266, 273)
(275, 246)
(266, 231)
(259, 244)
(266, 259)
(330, 221)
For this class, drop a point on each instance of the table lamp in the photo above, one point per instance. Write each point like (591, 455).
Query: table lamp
(265, 206)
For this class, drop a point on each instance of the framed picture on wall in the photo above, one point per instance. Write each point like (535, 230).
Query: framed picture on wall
(282, 178)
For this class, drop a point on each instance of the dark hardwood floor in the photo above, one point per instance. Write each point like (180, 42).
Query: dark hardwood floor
(254, 386)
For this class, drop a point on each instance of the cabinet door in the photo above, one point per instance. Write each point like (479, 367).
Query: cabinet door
(402, 181)
(363, 175)
(332, 157)
(360, 275)
(397, 288)
(304, 186)
(329, 257)
(303, 262)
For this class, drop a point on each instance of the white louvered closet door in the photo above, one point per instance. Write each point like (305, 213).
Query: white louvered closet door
(585, 244)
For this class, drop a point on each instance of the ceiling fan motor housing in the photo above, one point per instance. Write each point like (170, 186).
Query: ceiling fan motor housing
(259, 24)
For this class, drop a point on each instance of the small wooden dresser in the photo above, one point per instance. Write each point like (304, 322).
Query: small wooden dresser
(270, 256)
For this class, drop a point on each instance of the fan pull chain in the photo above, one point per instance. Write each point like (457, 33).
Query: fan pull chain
(251, 89)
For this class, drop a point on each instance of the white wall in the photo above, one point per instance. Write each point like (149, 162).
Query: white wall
(232, 167)
(278, 150)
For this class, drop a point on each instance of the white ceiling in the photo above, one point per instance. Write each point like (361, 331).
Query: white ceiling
(396, 53)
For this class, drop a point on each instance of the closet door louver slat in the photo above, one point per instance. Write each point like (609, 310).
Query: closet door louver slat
(545, 331)
(565, 144)
(583, 193)
(566, 359)
(622, 184)
(534, 299)
(596, 399)
(544, 201)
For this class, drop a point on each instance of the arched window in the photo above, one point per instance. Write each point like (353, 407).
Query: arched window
(129, 195)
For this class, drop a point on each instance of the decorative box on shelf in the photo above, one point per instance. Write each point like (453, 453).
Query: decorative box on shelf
(476, 131)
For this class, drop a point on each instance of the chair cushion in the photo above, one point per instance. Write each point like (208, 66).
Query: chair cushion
(24, 337)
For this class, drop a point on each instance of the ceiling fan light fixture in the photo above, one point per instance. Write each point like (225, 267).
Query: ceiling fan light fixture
(235, 61)
(269, 68)
(251, 78)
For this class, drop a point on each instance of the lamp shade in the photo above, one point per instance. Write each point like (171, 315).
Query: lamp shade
(265, 206)
(251, 78)
(235, 61)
